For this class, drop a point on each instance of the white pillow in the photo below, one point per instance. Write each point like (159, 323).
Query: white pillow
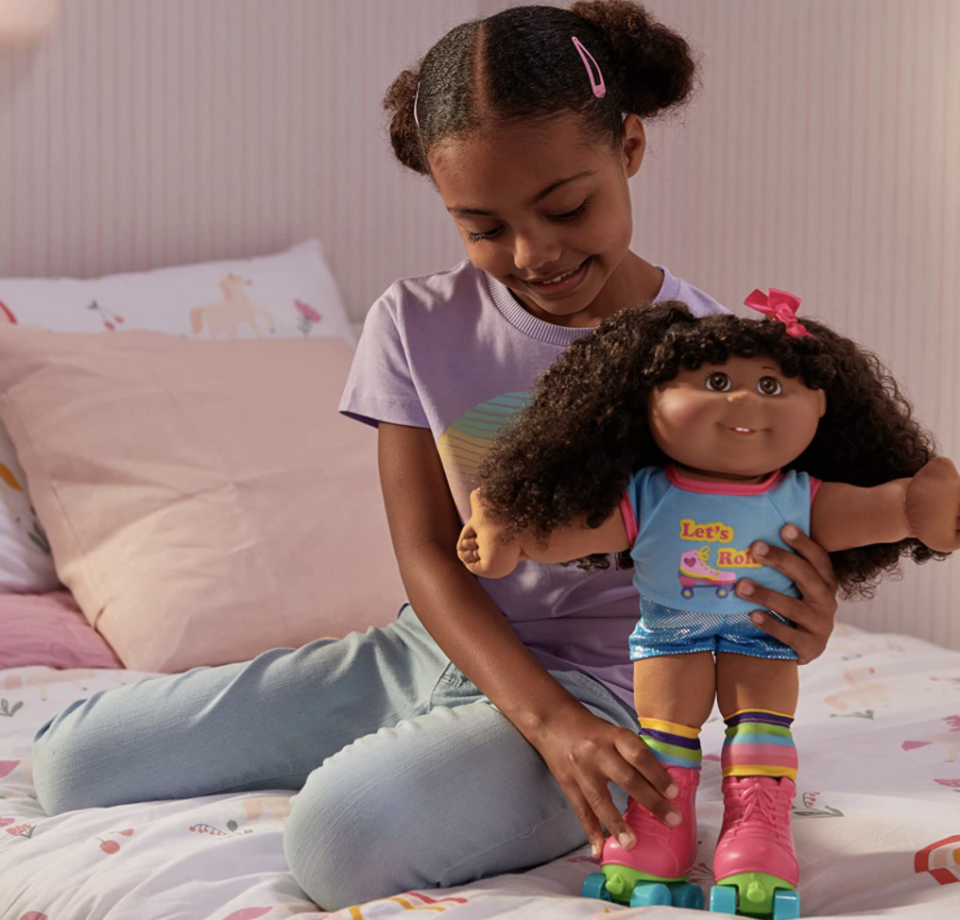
(291, 294)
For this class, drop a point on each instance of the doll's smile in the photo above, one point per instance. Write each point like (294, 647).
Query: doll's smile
(744, 431)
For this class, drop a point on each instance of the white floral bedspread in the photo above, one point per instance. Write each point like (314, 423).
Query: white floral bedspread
(876, 820)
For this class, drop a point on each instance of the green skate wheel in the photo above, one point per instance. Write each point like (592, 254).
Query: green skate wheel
(723, 899)
(688, 895)
(650, 894)
(595, 886)
(786, 905)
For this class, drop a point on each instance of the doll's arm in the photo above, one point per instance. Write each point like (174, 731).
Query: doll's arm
(925, 506)
(483, 550)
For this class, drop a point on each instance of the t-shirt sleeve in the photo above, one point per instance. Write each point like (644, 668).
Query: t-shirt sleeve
(630, 505)
(380, 386)
(814, 487)
(642, 499)
(629, 517)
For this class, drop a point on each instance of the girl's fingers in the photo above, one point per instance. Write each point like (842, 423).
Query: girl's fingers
(598, 799)
(813, 588)
(814, 553)
(798, 637)
(811, 570)
(790, 607)
(798, 640)
(587, 818)
(646, 780)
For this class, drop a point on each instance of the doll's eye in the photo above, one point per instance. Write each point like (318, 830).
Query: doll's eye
(718, 382)
(769, 386)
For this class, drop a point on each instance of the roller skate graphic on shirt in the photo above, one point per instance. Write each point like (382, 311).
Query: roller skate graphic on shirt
(695, 573)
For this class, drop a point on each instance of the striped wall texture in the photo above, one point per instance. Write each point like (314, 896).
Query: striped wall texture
(822, 156)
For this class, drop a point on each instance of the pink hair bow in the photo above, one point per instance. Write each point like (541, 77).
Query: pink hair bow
(780, 306)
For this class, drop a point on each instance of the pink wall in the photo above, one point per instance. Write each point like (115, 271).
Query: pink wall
(823, 156)
(147, 133)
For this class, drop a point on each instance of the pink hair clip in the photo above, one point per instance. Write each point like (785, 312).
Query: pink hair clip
(779, 306)
(599, 88)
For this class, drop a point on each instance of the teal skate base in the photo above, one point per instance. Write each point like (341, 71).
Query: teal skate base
(640, 889)
(756, 894)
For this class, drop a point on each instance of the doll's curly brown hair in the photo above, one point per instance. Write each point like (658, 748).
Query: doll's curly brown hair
(573, 449)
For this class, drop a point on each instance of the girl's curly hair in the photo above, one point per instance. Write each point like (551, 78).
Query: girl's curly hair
(573, 449)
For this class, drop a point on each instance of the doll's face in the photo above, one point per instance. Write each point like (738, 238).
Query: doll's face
(738, 420)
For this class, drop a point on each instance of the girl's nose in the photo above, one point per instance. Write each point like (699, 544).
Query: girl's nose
(739, 396)
(531, 254)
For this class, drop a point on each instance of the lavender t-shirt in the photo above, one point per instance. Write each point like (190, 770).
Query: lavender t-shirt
(455, 352)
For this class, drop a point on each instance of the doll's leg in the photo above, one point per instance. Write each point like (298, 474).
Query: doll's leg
(755, 856)
(674, 695)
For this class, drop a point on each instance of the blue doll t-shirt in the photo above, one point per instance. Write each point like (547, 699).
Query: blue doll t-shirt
(691, 538)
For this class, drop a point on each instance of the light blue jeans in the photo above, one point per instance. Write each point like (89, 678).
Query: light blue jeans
(403, 766)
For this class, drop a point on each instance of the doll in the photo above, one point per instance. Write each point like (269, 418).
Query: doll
(681, 445)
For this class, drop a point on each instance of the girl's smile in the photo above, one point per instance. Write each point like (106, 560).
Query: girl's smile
(562, 284)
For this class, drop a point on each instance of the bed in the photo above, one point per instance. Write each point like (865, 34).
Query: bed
(169, 450)
(876, 819)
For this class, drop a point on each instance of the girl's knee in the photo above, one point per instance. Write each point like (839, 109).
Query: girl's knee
(414, 808)
(56, 773)
(71, 768)
(344, 838)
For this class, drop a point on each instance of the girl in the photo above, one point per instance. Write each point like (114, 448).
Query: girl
(481, 731)
(706, 434)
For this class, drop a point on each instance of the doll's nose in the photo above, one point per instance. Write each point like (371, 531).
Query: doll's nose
(739, 397)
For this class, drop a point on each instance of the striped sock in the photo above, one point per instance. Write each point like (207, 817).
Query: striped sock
(759, 743)
(672, 744)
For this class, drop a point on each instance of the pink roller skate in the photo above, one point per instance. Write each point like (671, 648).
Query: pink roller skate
(657, 869)
(755, 857)
(695, 573)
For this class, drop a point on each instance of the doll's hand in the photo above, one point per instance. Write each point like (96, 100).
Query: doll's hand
(584, 753)
(933, 497)
(810, 568)
(481, 547)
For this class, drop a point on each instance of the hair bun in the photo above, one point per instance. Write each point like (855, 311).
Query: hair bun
(655, 63)
(404, 133)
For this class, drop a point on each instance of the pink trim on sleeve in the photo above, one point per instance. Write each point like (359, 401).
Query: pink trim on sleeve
(814, 486)
(629, 519)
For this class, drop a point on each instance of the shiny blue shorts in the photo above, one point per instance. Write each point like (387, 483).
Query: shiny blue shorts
(667, 631)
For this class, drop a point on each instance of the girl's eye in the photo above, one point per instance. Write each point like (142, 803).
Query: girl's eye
(718, 382)
(492, 234)
(769, 386)
(489, 235)
(570, 215)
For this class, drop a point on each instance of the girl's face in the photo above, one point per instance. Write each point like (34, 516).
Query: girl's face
(535, 201)
(735, 421)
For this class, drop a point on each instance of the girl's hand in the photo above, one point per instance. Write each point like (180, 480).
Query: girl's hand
(809, 567)
(584, 753)
(481, 547)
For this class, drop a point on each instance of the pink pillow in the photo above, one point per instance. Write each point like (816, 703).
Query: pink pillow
(204, 501)
(49, 629)
(291, 294)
